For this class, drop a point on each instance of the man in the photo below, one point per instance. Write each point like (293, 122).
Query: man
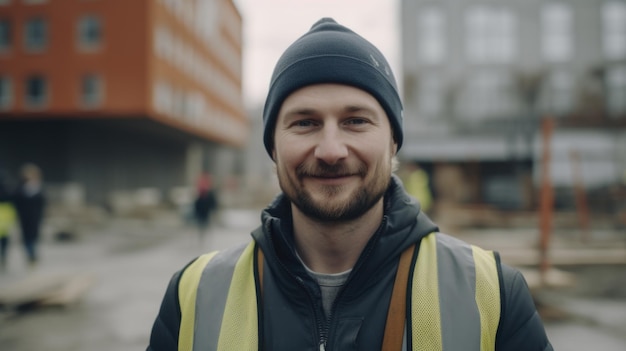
(344, 259)
(30, 204)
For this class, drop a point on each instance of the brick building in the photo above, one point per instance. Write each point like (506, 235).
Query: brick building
(121, 95)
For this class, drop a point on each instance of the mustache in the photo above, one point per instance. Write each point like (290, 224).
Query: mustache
(324, 170)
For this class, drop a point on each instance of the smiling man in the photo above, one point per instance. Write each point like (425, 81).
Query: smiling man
(344, 258)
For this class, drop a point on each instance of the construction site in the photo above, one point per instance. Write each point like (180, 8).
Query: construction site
(514, 122)
(100, 283)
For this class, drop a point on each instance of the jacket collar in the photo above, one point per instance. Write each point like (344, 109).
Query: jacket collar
(403, 224)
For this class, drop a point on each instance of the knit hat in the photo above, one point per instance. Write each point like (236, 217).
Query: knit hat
(332, 53)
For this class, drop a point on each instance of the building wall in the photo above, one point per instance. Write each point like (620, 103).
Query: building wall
(134, 137)
(196, 68)
(538, 59)
(119, 59)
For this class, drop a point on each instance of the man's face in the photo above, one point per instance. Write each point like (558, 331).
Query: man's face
(333, 148)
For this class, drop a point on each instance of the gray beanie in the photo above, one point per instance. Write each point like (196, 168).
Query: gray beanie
(332, 53)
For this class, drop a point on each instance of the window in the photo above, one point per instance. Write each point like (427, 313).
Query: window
(431, 36)
(36, 91)
(91, 90)
(163, 43)
(614, 29)
(89, 32)
(162, 97)
(491, 35)
(5, 34)
(36, 34)
(616, 90)
(557, 42)
(33, 2)
(430, 99)
(487, 95)
(558, 94)
(6, 93)
(207, 18)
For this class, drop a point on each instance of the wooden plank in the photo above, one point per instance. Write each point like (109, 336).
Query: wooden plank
(70, 292)
(553, 278)
(49, 288)
(30, 289)
(565, 257)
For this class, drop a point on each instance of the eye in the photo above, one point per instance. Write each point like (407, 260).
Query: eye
(357, 121)
(303, 123)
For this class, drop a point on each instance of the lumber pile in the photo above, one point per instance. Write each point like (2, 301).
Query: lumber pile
(50, 289)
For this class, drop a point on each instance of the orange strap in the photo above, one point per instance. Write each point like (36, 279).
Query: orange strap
(396, 315)
(259, 263)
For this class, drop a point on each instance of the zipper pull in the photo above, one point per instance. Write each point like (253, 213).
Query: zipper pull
(322, 347)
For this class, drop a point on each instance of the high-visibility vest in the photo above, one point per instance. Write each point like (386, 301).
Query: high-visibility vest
(458, 308)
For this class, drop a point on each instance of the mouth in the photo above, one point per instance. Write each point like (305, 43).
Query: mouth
(330, 174)
(331, 179)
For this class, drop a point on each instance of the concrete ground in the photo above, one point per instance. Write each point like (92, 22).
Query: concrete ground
(132, 262)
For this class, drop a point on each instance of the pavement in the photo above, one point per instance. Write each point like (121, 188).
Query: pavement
(133, 260)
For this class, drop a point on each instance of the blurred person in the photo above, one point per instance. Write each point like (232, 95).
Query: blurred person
(30, 202)
(205, 203)
(7, 218)
(417, 184)
(344, 259)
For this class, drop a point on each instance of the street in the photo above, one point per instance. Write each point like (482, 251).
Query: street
(132, 262)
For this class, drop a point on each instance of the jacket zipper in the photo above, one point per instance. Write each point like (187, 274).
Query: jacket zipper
(326, 329)
(314, 306)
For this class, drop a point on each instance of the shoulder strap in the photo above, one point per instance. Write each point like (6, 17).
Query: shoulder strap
(259, 262)
(396, 315)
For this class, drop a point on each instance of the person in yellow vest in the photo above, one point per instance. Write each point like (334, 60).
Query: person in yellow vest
(416, 184)
(343, 258)
(8, 219)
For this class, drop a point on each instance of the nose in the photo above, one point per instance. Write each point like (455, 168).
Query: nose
(331, 147)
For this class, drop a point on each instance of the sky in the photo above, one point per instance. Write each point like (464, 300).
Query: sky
(270, 26)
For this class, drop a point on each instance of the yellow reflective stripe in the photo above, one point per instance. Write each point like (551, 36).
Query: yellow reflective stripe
(487, 296)
(426, 319)
(239, 329)
(187, 289)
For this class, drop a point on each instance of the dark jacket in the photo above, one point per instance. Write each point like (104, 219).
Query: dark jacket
(293, 317)
(30, 210)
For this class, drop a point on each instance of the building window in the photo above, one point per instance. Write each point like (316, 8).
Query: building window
(614, 29)
(557, 41)
(207, 19)
(557, 97)
(91, 90)
(616, 90)
(5, 34)
(36, 91)
(491, 35)
(36, 34)
(431, 36)
(6, 93)
(162, 97)
(430, 97)
(89, 32)
(488, 95)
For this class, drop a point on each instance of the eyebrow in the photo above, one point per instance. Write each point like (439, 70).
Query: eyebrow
(305, 111)
(359, 108)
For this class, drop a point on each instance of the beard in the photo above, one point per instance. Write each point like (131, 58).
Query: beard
(331, 208)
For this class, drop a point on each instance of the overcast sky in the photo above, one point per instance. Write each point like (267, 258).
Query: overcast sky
(269, 26)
